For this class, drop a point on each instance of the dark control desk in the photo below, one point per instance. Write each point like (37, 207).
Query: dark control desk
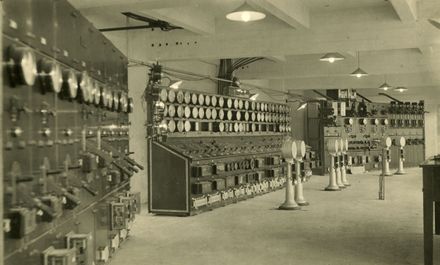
(431, 197)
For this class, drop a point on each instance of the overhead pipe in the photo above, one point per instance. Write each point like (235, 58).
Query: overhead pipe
(388, 96)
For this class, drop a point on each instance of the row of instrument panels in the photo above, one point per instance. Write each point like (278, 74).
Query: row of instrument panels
(66, 155)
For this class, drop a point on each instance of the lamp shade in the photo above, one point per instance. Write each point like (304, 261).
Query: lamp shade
(359, 73)
(245, 13)
(332, 57)
(385, 86)
(401, 89)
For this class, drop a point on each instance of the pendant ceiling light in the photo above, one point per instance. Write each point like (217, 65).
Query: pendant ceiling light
(332, 57)
(359, 72)
(245, 13)
(401, 89)
(385, 86)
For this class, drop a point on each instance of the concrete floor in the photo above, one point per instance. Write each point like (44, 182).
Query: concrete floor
(346, 227)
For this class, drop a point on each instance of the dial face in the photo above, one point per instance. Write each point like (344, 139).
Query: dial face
(385, 122)
(180, 96)
(70, 83)
(229, 115)
(163, 94)
(85, 87)
(221, 101)
(236, 103)
(201, 99)
(123, 102)
(207, 100)
(172, 110)
(115, 101)
(96, 93)
(402, 141)
(213, 101)
(171, 95)
(289, 149)
(195, 112)
(333, 146)
(187, 112)
(388, 142)
(214, 114)
(187, 97)
(201, 113)
(23, 65)
(187, 126)
(208, 113)
(109, 98)
(301, 146)
(194, 98)
(229, 103)
(172, 126)
(221, 114)
(103, 98)
(51, 75)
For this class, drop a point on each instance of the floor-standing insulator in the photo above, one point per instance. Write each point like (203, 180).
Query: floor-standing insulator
(332, 149)
(289, 152)
(299, 192)
(344, 148)
(402, 143)
(386, 156)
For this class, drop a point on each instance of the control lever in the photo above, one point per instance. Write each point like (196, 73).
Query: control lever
(62, 191)
(122, 168)
(134, 163)
(89, 189)
(35, 202)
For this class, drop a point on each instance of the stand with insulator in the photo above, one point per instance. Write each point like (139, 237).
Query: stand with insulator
(400, 169)
(338, 168)
(386, 156)
(332, 149)
(344, 156)
(299, 192)
(289, 153)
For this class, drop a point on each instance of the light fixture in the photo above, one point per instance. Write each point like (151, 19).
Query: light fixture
(401, 89)
(254, 96)
(359, 72)
(385, 85)
(303, 105)
(332, 57)
(245, 13)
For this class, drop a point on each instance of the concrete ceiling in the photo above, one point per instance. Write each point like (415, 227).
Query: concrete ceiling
(394, 39)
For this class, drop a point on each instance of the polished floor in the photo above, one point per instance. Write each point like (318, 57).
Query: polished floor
(348, 227)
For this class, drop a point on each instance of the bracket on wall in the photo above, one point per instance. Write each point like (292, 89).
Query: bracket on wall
(152, 24)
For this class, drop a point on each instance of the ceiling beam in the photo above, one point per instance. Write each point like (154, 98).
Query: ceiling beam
(405, 9)
(277, 58)
(190, 18)
(293, 12)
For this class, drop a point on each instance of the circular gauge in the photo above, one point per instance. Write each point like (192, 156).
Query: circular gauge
(221, 101)
(301, 148)
(246, 105)
(402, 141)
(115, 101)
(349, 121)
(163, 95)
(221, 114)
(130, 105)
(253, 105)
(123, 102)
(201, 113)
(51, 75)
(22, 66)
(246, 116)
(363, 121)
(171, 95)
(187, 97)
(258, 106)
(236, 127)
(229, 103)
(195, 112)
(253, 116)
(375, 121)
(253, 127)
(103, 99)
(385, 122)
(341, 145)
(171, 110)
(333, 146)
(194, 99)
(187, 112)
(163, 127)
(214, 114)
(180, 111)
(85, 88)
(109, 98)
(213, 101)
(201, 99)
(208, 113)
(229, 115)
(96, 92)
(345, 150)
(258, 116)
(171, 126)
(288, 129)
(387, 142)
(180, 97)
(70, 83)
(277, 108)
(240, 127)
(289, 149)
(240, 104)
(207, 100)
(187, 126)
(165, 110)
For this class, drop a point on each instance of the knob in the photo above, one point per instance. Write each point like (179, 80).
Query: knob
(46, 132)
(22, 65)
(16, 132)
(68, 132)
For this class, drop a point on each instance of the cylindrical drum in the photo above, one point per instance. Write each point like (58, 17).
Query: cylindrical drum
(213, 101)
(171, 95)
(171, 110)
(163, 95)
(201, 99)
(180, 96)
(194, 98)
(289, 149)
(195, 112)
(214, 114)
(333, 146)
(180, 111)
(171, 126)
(187, 112)
(301, 150)
(201, 113)
(207, 100)
(187, 97)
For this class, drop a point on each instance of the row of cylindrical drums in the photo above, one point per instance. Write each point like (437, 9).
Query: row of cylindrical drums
(211, 113)
(190, 126)
(186, 97)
